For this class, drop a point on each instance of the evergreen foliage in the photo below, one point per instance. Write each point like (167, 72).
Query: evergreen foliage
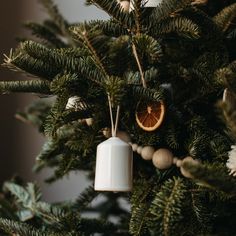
(182, 52)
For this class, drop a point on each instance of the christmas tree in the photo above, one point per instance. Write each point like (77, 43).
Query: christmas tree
(165, 68)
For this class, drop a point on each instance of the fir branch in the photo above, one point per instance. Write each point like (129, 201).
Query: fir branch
(137, 4)
(83, 34)
(225, 76)
(213, 176)
(114, 86)
(17, 228)
(178, 25)
(92, 226)
(22, 62)
(113, 8)
(139, 219)
(26, 196)
(85, 198)
(148, 47)
(58, 19)
(29, 86)
(55, 118)
(167, 204)
(58, 58)
(202, 209)
(63, 84)
(44, 33)
(225, 17)
(151, 75)
(139, 65)
(50, 150)
(112, 28)
(30, 198)
(140, 207)
(147, 93)
(168, 8)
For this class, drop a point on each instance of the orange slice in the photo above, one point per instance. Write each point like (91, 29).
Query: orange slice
(149, 116)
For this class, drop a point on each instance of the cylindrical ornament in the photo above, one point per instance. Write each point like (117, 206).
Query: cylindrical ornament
(114, 166)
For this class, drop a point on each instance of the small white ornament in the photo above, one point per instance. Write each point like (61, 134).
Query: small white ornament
(147, 152)
(89, 121)
(231, 163)
(107, 132)
(147, 3)
(134, 147)
(114, 166)
(162, 159)
(73, 102)
(139, 149)
(125, 4)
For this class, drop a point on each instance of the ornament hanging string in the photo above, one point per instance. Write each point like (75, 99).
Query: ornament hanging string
(113, 125)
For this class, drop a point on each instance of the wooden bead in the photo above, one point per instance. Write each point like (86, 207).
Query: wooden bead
(139, 149)
(175, 159)
(184, 172)
(147, 152)
(162, 159)
(179, 163)
(134, 147)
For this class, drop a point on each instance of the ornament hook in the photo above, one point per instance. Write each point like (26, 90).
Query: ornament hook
(113, 125)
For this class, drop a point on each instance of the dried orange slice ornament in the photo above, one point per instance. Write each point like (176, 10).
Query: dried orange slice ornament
(149, 116)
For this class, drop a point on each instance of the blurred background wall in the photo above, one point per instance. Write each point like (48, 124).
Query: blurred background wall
(20, 143)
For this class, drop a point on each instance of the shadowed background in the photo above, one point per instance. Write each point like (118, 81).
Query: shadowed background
(20, 143)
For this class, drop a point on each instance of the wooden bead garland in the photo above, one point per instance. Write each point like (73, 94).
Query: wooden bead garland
(161, 158)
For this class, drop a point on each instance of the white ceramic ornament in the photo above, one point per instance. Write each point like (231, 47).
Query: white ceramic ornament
(147, 152)
(147, 3)
(114, 166)
(162, 159)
